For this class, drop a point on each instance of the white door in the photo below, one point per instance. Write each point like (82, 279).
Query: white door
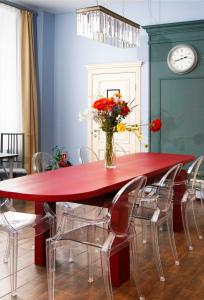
(104, 81)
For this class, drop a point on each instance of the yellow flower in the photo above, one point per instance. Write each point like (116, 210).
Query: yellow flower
(121, 127)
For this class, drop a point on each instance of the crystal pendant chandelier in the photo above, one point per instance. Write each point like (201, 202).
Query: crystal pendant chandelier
(101, 24)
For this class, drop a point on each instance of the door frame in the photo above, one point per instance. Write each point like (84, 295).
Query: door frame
(129, 67)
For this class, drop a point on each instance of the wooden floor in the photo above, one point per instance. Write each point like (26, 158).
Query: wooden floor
(184, 282)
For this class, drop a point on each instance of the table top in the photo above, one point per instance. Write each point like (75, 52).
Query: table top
(89, 180)
(7, 155)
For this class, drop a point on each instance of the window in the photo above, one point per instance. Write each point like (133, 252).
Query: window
(10, 84)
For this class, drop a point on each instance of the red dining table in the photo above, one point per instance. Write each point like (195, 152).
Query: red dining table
(89, 183)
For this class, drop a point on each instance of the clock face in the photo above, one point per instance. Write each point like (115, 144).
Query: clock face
(182, 59)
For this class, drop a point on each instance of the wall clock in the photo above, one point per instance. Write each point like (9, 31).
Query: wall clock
(182, 59)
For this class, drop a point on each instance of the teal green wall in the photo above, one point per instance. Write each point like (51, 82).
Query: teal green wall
(177, 99)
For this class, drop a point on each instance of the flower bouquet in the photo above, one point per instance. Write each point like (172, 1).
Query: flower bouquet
(110, 114)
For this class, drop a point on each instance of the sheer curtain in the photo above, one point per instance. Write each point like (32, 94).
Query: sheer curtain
(10, 85)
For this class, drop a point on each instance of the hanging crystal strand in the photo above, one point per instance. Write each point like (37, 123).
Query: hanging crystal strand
(137, 37)
(96, 25)
(130, 36)
(123, 35)
(89, 25)
(116, 33)
(93, 25)
(119, 34)
(134, 36)
(94, 29)
(106, 29)
(123, 25)
(126, 36)
(112, 31)
(85, 25)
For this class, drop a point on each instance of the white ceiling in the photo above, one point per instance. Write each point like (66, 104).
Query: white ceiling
(61, 6)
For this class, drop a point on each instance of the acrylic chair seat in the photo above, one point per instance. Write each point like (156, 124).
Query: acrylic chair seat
(193, 186)
(106, 233)
(156, 209)
(20, 220)
(21, 225)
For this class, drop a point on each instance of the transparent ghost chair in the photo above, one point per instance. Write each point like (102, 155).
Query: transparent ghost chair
(43, 161)
(86, 154)
(107, 239)
(156, 208)
(192, 186)
(18, 226)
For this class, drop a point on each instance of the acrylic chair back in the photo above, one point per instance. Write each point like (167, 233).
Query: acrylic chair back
(119, 150)
(193, 171)
(123, 204)
(43, 161)
(86, 154)
(165, 188)
(12, 221)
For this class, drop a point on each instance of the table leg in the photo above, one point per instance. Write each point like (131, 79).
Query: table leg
(179, 190)
(120, 267)
(40, 249)
(10, 161)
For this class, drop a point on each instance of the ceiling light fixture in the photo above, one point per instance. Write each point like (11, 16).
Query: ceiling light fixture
(103, 25)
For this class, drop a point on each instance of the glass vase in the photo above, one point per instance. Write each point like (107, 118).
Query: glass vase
(109, 151)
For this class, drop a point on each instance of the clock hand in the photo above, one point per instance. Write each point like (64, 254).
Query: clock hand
(181, 58)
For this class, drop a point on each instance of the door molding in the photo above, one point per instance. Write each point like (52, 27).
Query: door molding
(129, 67)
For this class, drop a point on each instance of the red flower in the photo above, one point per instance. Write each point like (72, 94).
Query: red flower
(125, 111)
(155, 125)
(100, 104)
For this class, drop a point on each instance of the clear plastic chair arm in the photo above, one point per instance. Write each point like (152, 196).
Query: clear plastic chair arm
(155, 216)
(185, 197)
(101, 220)
(181, 182)
(108, 243)
(48, 210)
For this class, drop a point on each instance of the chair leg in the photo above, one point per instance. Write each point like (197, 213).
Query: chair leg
(135, 268)
(7, 251)
(13, 237)
(70, 255)
(155, 244)
(186, 224)
(195, 221)
(144, 232)
(172, 239)
(90, 263)
(50, 261)
(105, 264)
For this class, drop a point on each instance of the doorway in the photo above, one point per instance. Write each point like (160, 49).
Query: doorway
(104, 81)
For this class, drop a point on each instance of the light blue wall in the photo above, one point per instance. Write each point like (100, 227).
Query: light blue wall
(73, 53)
(45, 67)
